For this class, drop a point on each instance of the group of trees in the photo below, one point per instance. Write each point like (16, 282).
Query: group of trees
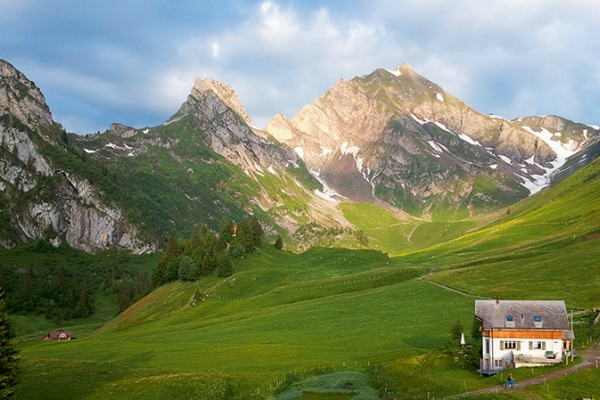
(204, 252)
(65, 286)
(8, 354)
(61, 292)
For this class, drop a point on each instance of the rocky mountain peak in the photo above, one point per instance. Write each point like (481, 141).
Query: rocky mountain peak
(224, 92)
(405, 68)
(21, 98)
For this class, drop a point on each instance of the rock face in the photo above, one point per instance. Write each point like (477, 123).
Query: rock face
(39, 199)
(398, 137)
(227, 128)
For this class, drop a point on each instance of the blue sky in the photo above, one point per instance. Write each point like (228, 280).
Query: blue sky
(134, 62)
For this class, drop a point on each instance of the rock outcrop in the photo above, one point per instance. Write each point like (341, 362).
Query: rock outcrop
(42, 200)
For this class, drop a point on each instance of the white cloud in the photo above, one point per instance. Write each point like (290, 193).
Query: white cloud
(507, 57)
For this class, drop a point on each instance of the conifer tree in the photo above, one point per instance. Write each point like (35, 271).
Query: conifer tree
(278, 243)
(225, 266)
(8, 354)
(173, 269)
(226, 233)
(160, 272)
(207, 263)
(257, 231)
(195, 238)
(173, 249)
(186, 268)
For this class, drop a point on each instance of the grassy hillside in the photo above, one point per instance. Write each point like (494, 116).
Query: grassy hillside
(283, 317)
(544, 247)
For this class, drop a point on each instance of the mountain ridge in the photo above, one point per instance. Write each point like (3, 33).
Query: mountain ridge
(403, 116)
(390, 138)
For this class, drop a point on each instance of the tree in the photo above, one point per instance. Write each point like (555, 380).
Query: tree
(173, 269)
(225, 266)
(9, 356)
(245, 236)
(195, 239)
(456, 330)
(278, 243)
(186, 268)
(173, 249)
(208, 264)
(160, 272)
(226, 233)
(257, 231)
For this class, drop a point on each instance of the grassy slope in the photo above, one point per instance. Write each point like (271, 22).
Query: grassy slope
(283, 313)
(547, 247)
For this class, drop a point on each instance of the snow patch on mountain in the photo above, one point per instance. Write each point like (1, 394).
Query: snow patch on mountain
(436, 147)
(345, 149)
(325, 151)
(327, 193)
(395, 72)
(439, 97)
(300, 152)
(469, 140)
(538, 182)
(420, 121)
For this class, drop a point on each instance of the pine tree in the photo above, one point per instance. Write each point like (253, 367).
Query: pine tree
(160, 272)
(245, 236)
(207, 264)
(173, 249)
(278, 243)
(8, 354)
(225, 266)
(257, 231)
(186, 268)
(173, 269)
(226, 233)
(195, 238)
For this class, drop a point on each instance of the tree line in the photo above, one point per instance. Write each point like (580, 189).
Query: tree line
(64, 286)
(204, 251)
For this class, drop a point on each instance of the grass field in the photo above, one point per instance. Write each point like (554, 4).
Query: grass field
(286, 321)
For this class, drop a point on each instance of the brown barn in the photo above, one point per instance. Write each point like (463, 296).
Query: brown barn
(58, 335)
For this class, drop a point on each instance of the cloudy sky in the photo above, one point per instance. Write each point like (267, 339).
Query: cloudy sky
(135, 61)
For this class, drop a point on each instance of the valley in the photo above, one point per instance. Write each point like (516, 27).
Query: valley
(398, 205)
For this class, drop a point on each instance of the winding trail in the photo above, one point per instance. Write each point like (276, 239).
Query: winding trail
(589, 361)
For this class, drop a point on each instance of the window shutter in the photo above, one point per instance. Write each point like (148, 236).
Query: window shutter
(519, 345)
(543, 345)
(530, 345)
(502, 345)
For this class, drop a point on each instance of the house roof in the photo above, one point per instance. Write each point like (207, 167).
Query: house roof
(56, 334)
(522, 314)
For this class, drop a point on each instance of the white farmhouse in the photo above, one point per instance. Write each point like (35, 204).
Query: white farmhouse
(518, 333)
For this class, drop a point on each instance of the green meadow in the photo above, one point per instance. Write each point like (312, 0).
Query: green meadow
(334, 323)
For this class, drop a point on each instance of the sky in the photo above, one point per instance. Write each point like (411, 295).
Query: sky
(134, 62)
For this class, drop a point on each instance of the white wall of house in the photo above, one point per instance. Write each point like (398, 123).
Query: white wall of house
(502, 351)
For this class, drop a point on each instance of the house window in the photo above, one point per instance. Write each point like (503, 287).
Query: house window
(510, 345)
(537, 345)
(487, 346)
(510, 318)
(498, 363)
(537, 319)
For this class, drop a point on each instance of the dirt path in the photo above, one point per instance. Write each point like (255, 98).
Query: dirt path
(589, 361)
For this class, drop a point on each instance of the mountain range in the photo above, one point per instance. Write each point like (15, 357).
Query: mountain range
(392, 138)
